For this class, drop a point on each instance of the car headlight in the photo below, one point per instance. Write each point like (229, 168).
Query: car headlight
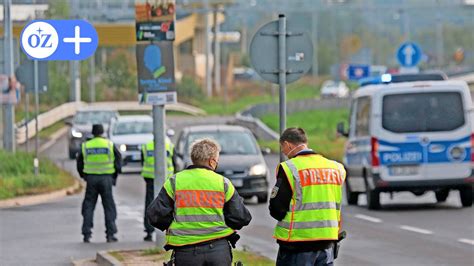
(123, 147)
(258, 169)
(76, 133)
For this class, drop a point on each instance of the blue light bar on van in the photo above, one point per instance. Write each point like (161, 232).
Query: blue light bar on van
(370, 81)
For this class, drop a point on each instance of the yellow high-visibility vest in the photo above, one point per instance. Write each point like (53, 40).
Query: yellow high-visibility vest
(199, 195)
(148, 169)
(98, 156)
(315, 207)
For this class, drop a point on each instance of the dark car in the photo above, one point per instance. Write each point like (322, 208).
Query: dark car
(81, 126)
(240, 159)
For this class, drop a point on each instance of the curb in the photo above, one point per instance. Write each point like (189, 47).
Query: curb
(37, 199)
(103, 258)
(53, 138)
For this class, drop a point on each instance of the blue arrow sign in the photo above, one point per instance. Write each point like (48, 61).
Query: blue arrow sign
(409, 54)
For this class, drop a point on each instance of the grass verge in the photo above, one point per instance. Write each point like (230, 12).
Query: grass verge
(157, 255)
(320, 126)
(17, 176)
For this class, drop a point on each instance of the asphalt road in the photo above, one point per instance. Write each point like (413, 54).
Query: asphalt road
(408, 231)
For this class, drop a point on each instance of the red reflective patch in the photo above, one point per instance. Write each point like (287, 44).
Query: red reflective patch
(199, 198)
(320, 176)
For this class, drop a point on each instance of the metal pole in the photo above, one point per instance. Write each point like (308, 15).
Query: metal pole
(207, 43)
(160, 157)
(282, 73)
(9, 141)
(27, 103)
(439, 38)
(36, 160)
(314, 27)
(217, 52)
(92, 79)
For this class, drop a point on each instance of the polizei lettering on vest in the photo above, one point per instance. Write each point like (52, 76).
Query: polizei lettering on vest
(320, 176)
(199, 198)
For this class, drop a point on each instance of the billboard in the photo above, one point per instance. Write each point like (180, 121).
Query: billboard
(155, 20)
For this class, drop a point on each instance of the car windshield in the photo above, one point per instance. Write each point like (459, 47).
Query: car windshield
(93, 117)
(231, 142)
(422, 112)
(128, 128)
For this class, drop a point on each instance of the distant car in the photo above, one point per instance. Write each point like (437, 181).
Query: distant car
(243, 73)
(128, 133)
(332, 89)
(240, 160)
(81, 126)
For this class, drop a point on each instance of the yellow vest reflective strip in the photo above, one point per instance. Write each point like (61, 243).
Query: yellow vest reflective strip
(198, 206)
(148, 169)
(312, 217)
(98, 154)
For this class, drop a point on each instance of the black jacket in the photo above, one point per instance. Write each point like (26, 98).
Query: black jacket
(117, 163)
(160, 211)
(280, 205)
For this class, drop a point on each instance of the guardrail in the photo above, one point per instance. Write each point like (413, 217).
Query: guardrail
(69, 109)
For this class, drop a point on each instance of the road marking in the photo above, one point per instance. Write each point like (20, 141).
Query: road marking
(368, 218)
(416, 230)
(466, 241)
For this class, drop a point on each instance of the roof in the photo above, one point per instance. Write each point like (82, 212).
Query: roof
(134, 118)
(380, 88)
(207, 128)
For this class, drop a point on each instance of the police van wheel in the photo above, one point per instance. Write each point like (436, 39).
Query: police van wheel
(466, 196)
(442, 195)
(373, 199)
(352, 197)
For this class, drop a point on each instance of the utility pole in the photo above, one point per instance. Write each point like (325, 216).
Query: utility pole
(9, 140)
(75, 90)
(439, 37)
(217, 52)
(207, 45)
(314, 31)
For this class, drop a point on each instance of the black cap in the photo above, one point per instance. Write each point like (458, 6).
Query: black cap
(97, 129)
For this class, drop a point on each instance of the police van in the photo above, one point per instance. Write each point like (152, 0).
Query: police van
(410, 136)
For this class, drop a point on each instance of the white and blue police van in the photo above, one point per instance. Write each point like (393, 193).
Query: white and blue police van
(410, 136)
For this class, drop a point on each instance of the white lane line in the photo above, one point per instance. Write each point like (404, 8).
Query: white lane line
(416, 230)
(368, 218)
(466, 241)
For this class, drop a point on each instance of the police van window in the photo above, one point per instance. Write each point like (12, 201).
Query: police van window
(422, 112)
(363, 117)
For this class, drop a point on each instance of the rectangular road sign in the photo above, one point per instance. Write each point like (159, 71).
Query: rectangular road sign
(356, 72)
(155, 65)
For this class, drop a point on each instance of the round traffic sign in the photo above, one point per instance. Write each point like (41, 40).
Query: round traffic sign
(264, 52)
(409, 54)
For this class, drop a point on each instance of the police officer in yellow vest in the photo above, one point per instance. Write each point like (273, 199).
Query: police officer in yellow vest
(99, 163)
(148, 173)
(306, 201)
(200, 210)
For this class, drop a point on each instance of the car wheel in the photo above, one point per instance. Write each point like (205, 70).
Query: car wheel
(262, 198)
(373, 197)
(466, 196)
(72, 154)
(352, 197)
(442, 195)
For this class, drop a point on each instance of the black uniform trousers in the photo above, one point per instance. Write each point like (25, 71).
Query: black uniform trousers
(149, 196)
(99, 185)
(215, 253)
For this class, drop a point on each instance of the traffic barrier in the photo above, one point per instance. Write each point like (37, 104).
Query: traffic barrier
(66, 110)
